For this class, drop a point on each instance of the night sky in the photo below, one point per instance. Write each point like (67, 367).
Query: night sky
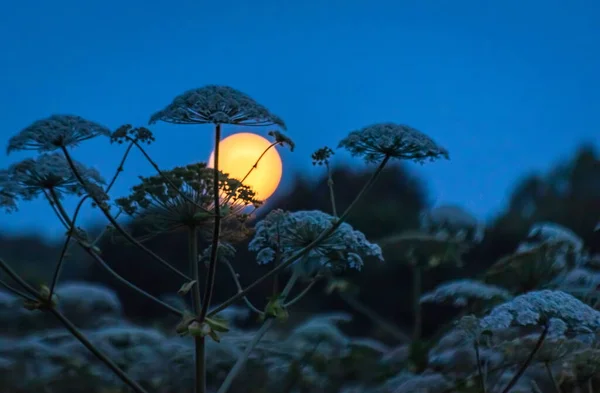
(508, 87)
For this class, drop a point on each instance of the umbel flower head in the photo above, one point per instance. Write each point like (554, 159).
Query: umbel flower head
(377, 141)
(461, 292)
(284, 233)
(186, 199)
(216, 105)
(8, 192)
(540, 307)
(55, 132)
(50, 172)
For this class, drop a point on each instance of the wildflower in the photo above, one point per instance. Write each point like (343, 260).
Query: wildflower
(282, 139)
(539, 307)
(216, 105)
(8, 192)
(423, 249)
(378, 141)
(549, 231)
(461, 292)
(452, 222)
(285, 233)
(322, 156)
(225, 253)
(55, 132)
(127, 131)
(51, 172)
(183, 197)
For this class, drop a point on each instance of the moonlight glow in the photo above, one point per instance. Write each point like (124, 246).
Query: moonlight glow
(239, 152)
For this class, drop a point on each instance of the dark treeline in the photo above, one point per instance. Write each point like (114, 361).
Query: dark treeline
(569, 194)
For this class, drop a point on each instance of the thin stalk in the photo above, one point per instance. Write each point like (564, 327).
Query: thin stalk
(212, 270)
(200, 374)
(382, 323)
(16, 278)
(118, 227)
(60, 218)
(16, 292)
(482, 383)
(90, 250)
(239, 364)
(557, 388)
(528, 361)
(416, 298)
(70, 232)
(120, 168)
(239, 288)
(302, 294)
(306, 249)
(102, 357)
(165, 177)
(253, 167)
(331, 192)
(212, 266)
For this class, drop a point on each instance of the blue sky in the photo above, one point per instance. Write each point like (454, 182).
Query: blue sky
(508, 87)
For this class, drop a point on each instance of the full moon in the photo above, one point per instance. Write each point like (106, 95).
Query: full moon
(237, 155)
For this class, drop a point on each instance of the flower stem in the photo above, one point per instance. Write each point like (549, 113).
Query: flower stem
(331, 192)
(416, 298)
(102, 357)
(70, 232)
(557, 388)
(382, 323)
(309, 247)
(200, 375)
(528, 361)
(89, 248)
(482, 383)
(115, 224)
(239, 364)
(212, 267)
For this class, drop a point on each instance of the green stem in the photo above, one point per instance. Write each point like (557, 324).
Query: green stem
(382, 323)
(212, 267)
(212, 270)
(527, 362)
(479, 370)
(253, 167)
(70, 231)
(16, 292)
(16, 278)
(115, 224)
(200, 375)
(90, 250)
(416, 298)
(239, 288)
(306, 249)
(239, 364)
(331, 192)
(557, 388)
(119, 168)
(102, 357)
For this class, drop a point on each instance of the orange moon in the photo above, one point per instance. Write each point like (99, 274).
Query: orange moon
(237, 155)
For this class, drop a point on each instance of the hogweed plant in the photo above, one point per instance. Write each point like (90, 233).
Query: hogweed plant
(204, 203)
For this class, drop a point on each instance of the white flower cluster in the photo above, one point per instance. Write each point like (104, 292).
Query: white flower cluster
(216, 105)
(540, 307)
(460, 292)
(55, 132)
(51, 172)
(549, 231)
(285, 233)
(449, 221)
(377, 141)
